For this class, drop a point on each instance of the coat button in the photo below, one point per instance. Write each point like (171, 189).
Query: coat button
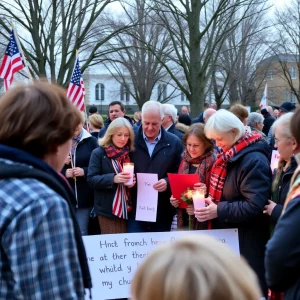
(226, 220)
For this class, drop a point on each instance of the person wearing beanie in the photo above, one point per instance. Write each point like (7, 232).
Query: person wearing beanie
(93, 110)
(268, 121)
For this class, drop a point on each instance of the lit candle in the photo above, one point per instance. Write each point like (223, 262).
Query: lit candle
(198, 199)
(128, 168)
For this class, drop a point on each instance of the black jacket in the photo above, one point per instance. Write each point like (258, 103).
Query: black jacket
(94, 134)
(83, 153)
(101, 179)
(268, 122)
(282, 257)
(284, 186)
(165, 159)
(245, 193)
(108, 121)
(175, 131)
(198, 119)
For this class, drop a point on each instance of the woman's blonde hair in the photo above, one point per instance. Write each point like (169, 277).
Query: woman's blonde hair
(240, 111)
(113, 128)
(96, 120)
(195, 268)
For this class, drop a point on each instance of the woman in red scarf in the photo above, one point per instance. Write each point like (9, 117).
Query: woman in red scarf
(239, 187)
(197, 158)
(106, 176)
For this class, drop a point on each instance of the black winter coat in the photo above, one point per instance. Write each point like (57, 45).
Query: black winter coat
(165, 159)
(175, 131)
(83, 153)
(268, 122)
(198, 119)
(245, 193)
(284, 186)
(101, 178)
(282, 257)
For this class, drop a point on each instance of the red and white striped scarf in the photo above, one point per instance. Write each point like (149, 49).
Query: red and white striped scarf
(121, 204)
(219, 168)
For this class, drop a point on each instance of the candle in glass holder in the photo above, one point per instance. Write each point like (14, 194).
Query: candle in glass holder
(128, 168)
(198, 198)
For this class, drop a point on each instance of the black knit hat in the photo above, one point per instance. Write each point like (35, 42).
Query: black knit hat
(93, 109)
(184, 119)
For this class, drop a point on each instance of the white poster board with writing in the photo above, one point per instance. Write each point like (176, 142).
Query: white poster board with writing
(114, 258)
(147, 197)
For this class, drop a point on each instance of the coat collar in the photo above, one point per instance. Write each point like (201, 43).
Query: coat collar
(162, 143)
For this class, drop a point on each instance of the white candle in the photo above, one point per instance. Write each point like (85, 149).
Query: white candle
(198, 199)
(128, 168)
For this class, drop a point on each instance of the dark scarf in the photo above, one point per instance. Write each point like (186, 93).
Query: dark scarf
(56, 182)
(219, 169)
(204, 163)
(121, 203)
(122, 155)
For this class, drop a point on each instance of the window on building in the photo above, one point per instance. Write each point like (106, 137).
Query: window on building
(124, 93)
(182, 96)
(162, 92)
(99, 91)
(293, 72)
(293, 97)
(287, 95)
(271, 74)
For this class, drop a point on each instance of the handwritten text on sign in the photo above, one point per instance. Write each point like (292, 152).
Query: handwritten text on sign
(147, 196)
(114, 258)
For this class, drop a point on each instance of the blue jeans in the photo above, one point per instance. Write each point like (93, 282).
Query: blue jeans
(83, 217)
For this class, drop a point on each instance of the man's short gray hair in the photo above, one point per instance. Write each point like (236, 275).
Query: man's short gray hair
(153, 106)
(222, 122)
(254, 118)
(171, 110)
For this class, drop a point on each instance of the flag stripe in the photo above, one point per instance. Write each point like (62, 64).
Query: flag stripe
(12, 62)
(76, 90)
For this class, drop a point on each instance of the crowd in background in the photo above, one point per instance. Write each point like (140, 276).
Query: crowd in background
(62, 177)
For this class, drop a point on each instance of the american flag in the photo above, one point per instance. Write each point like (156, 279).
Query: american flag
(76, 89)
(12, 62)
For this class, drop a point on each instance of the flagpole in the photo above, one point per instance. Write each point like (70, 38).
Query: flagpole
(86, 118)
(267, 99)
(21, 50)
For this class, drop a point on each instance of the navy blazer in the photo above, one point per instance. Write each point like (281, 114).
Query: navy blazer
(175, 131)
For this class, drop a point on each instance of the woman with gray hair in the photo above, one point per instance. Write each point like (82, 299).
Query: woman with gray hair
(285, 144)
(239, 187)
(256, 123)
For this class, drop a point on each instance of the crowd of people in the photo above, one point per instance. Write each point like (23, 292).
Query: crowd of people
(60, 172)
